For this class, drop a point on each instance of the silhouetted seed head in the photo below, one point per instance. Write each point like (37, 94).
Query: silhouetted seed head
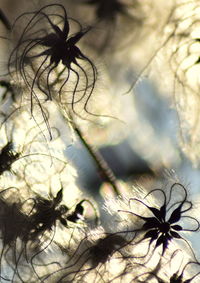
(7, 157)
(46, 213)
(89, 254)
(162, 228)
(47, 58)
(105, 247)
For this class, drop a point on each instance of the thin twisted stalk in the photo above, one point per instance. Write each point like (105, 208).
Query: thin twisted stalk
(105, 171)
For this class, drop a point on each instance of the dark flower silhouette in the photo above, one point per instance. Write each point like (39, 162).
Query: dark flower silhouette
(40, 50)
(47, 212)
(160, 227)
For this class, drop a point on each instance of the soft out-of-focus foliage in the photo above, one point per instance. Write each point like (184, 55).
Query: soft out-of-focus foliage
(96, 112)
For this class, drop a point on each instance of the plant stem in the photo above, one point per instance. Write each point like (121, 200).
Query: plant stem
(104, 170)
